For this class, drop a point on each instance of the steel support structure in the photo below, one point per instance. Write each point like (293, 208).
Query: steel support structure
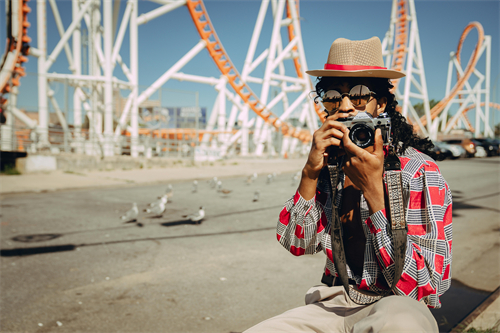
(471, 99)
(402, 51)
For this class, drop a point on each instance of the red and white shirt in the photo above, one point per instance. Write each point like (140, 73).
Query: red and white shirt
(304, 228)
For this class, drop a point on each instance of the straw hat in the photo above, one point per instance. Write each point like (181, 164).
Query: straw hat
(356, 58)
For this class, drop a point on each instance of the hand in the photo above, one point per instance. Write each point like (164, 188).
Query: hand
(329, 134)
(365, 169)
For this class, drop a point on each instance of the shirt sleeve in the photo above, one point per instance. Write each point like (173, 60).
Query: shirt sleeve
(301, 224)
(427, 267)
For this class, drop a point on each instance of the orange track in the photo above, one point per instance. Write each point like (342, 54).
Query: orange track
(471, 107)
(14, 44)
(207, 32)
(436, 110)
(401, 40)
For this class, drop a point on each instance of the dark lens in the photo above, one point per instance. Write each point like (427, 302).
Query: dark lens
(331, 100)
(360, 95)
(361, 135)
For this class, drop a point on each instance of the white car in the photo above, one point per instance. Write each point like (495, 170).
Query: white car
(480, 152)
(456, 150)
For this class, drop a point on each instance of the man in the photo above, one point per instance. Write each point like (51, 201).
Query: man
(369, 283)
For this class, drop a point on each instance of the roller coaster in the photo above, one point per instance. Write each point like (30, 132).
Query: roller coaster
(93, 92)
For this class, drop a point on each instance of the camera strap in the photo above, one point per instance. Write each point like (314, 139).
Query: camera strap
(393, 179)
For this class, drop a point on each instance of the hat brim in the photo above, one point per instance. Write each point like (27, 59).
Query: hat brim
(380, 73)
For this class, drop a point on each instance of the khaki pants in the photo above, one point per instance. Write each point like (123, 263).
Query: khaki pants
(329, 309)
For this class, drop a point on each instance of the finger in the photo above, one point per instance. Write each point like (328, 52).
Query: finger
(332, 132)
(349, 147)
(333, 123)
(379, 143)
(328, 143)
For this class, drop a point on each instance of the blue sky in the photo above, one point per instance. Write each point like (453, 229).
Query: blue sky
(164, 40)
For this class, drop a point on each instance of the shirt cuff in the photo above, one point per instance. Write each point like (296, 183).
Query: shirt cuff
(377, 221)
(302, 203)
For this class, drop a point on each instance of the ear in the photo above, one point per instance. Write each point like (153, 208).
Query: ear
(381, 104)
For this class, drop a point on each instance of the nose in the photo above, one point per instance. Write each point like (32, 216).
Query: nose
(346, 106)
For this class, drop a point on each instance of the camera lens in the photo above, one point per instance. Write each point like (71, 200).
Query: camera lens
(362, 135)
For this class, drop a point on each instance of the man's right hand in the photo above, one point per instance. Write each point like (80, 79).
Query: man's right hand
(329, 134)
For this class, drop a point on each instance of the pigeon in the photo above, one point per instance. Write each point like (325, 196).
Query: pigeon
(198, 217)
(256, 196)
(213, 182)
(163, 198)
(131, 214)
(225, 191)
(157, 210)
(219, 186)
(170, 191)
(295, 178)
(195, 186)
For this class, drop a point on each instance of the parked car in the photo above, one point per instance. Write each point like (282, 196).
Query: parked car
(441, 151)
(467, 144)
(456, 151)
(481, 149)
(496, 142)
(489, 145)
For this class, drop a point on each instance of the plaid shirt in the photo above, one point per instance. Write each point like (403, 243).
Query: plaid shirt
(304, 228)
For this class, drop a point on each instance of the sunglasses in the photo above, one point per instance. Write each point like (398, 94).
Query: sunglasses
(359, 96)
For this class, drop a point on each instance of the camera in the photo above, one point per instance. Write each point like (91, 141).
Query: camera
(362, 128)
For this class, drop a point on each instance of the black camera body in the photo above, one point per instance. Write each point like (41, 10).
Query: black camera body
(362, 128)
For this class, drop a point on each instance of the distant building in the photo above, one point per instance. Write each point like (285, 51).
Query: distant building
(173, 117)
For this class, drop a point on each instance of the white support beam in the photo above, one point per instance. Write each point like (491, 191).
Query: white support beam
(76, 21)
(121, 33)
(293, 106)
(60, 28)
(195, 78)
(168, 74)
(108, 76)
(146, 17)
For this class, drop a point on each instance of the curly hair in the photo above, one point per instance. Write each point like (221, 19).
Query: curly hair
(401, 132)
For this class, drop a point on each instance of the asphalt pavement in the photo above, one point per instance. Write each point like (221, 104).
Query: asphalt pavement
(69, 264)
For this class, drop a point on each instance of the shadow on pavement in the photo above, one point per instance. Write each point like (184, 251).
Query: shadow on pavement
(456, 304)
(70, 247)
(459, 202)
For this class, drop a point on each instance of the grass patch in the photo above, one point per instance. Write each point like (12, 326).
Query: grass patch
(488, 330)
(10, 170)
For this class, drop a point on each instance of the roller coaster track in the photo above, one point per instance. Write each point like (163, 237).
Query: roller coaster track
(461, 80)
(17, 47)
(214, 46)
(401, 39)
(469, 108)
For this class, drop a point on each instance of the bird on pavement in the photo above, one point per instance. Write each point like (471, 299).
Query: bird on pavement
(131, 214)
(213, 182)
(249, 180)
(163, 198)
(256, 196)
(170, 191)
(219, 186)
(269, 178)
(195, 186)
(197, 217)
(254, 176)
(225, 191)
(295, 178)
(157, 210)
